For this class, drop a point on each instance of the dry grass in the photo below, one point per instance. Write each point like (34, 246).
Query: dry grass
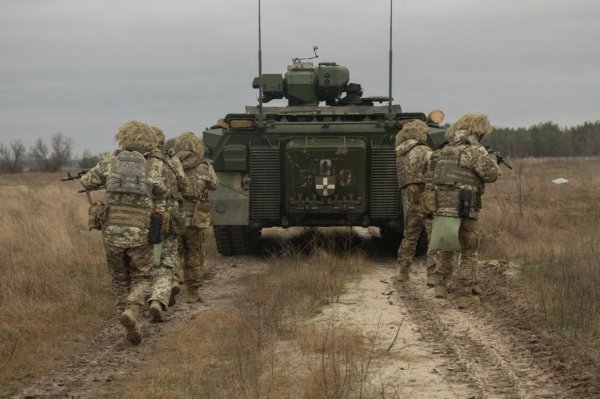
(260, 347)
(553, 232)
(54, 290)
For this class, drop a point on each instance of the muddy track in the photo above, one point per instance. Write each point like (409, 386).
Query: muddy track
(497, 349)
(102, 370)
(500, 347)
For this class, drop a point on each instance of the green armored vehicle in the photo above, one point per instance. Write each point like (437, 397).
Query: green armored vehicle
(307, 164)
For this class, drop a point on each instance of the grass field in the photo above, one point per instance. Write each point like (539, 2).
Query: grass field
(54, 285)
(552, 231)
(55, 289)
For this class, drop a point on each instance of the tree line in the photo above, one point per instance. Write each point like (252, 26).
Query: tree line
(546, 140)
(41, 156)
(541, 140)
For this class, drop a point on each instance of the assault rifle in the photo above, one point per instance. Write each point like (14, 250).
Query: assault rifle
(499, 157)
(78, 176)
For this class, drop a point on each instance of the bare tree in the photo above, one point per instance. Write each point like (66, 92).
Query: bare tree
(61, 150)
(39, 155)
(11, 157)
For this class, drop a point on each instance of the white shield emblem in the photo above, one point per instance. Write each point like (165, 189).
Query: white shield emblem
(325, 185)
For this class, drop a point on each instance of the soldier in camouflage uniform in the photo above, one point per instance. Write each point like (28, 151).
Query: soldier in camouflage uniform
(462, 169)
(412, 157)
(133, 181)
(201, 177)
(169, 205)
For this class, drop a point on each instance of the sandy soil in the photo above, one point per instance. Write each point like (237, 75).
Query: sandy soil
(425, 347)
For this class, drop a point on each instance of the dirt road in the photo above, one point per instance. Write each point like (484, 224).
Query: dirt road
(427, 347)
(495, 350)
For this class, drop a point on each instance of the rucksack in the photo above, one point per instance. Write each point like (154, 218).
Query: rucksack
(128, 174)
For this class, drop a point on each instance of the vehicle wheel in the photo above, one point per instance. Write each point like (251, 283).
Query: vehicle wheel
(236, 240)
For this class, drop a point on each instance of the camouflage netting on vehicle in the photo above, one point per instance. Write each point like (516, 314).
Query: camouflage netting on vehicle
(415, 130)
(474, 123)
(188, 141)
(136, 135)
(159, 134)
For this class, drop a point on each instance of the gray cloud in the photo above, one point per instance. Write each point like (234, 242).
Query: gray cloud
(85, 67)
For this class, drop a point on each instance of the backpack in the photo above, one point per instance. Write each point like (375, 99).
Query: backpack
(128, 174)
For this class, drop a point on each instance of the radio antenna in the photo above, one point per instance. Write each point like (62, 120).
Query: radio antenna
(260, 77)
(390, 64)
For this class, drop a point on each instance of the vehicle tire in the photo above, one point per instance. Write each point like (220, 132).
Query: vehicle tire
(236, 240)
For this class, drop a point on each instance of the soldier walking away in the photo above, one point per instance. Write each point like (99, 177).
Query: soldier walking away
(412, 157)
(134, 181)
(162, 287)
(462, 169)
(196, 208)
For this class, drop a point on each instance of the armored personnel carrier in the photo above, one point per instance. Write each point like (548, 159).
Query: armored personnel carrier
(325, 159)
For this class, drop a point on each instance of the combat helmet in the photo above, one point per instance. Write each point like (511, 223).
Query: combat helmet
(136, 136)
(160, 135)
(188, 141)
(477, 124)
(415, 130)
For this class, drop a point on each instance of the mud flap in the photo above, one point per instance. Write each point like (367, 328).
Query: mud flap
(444, 234)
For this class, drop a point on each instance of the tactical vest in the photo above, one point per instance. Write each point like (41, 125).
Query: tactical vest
(128, 175)
(406, 174)
(448, 172)
(128, 171)
(190, 162)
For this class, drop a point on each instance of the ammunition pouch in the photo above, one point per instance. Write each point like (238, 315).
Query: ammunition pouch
(97, 214)
(197, 214)
(128, 216)
(155, 231)
(429, 201)
(465, 203)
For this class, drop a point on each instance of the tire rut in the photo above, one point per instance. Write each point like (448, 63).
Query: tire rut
(479, 350)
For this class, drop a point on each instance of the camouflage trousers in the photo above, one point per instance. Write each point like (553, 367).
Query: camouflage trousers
(466, 273)
(191, 248)
(415, 222)
(131, 270)
(162, 275)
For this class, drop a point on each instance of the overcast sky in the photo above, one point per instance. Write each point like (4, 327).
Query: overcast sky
(84, 67)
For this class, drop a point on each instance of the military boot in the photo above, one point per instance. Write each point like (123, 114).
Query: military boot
(403, 275)
(466, 298)
(175, 290)
(440, 291)
(192, 295)
(156, 312)
(432, 278)
(130, 320)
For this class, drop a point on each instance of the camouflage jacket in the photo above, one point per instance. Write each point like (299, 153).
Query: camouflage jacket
(472, 156)
(200, 176)
(176, 179)
(127, 236)
(411, 162)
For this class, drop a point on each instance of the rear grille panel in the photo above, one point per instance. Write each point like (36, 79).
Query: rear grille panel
(385, 195)
(265, 195)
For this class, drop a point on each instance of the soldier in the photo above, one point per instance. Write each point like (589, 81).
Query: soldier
(412, 156)
(161, 296)
(133, 181)
(461, 171)
(201, 177)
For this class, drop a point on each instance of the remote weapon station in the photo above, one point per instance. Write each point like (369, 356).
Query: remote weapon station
(308, 163)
